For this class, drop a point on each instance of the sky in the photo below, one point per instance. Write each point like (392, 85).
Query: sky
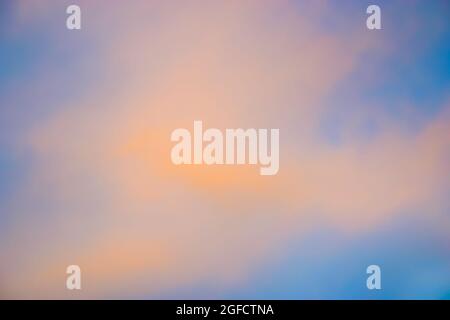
(85, 171)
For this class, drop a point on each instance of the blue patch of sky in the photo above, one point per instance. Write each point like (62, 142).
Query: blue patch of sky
(328, 264)
(413, 74)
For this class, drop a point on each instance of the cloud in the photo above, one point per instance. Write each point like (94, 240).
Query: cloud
(102, 192)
